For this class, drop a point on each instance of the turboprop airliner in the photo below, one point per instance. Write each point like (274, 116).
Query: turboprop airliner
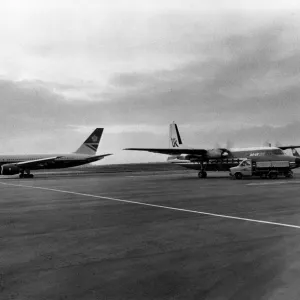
(219, 159)
(24, 164)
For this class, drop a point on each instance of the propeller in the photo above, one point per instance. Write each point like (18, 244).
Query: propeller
(295, 152)
(229, 144)
(225, 151)
(267, 144)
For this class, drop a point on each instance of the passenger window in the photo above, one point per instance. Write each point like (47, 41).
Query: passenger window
(278, 152)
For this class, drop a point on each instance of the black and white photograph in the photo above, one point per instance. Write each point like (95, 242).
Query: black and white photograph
(149, 150)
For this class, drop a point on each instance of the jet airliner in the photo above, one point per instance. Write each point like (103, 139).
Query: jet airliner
(23, 164)
(218, 159)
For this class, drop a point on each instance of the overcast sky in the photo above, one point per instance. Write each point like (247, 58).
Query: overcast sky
(223, 70)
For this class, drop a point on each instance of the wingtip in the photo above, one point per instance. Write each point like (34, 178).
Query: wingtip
(108, 154)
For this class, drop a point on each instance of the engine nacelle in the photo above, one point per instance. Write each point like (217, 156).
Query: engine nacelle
(9, 170)
(217, 153)
(190, 157)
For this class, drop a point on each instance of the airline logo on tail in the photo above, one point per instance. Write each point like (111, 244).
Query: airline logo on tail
(174, 142)
(90, 146)
(175, 136)
(94, 138)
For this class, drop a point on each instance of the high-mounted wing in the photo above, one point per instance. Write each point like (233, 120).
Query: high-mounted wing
(293, 148)
(288, 147)
(172, 151)
(37, 162)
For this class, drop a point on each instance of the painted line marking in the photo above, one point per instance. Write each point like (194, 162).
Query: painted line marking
(271, 183)
(151, 175)
(155, 205)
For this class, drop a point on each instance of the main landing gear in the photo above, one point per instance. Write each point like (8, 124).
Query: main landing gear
(202, 174)
(26, 175)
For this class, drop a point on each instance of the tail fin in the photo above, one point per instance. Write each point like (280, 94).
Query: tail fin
(90, 146)
(174, 135)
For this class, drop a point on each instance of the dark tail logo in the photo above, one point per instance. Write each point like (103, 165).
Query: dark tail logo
(90, 145)
(94, 138)
(174, 142)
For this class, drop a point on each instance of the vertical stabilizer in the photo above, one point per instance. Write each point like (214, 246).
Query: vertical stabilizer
(175, 137)
(90, 145)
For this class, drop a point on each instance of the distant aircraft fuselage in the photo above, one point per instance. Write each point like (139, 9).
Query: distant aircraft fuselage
(22, 164)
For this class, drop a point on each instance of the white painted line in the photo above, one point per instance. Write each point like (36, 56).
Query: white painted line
(272, 183)
(151, 175)
(155, 205)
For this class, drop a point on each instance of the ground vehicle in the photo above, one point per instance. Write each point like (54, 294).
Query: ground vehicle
(268, 169)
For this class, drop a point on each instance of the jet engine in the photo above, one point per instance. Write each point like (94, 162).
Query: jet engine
(9, 169)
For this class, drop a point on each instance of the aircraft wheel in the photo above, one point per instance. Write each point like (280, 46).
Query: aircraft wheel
(26, 175)
(272, 175)
(202, 174)
(238, 175)
(289, 174)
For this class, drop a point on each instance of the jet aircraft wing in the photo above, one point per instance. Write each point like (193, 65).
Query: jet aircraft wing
(37, 162)
(102, 155)
(172, 151)
(288, 147)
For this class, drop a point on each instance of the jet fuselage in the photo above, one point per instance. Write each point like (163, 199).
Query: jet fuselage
(62, 160)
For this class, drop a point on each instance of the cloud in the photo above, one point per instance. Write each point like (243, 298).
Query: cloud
(254, 80)
(246, 136)
(220, 74)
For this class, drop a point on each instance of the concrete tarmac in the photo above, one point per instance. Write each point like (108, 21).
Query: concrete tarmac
(166, 235)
